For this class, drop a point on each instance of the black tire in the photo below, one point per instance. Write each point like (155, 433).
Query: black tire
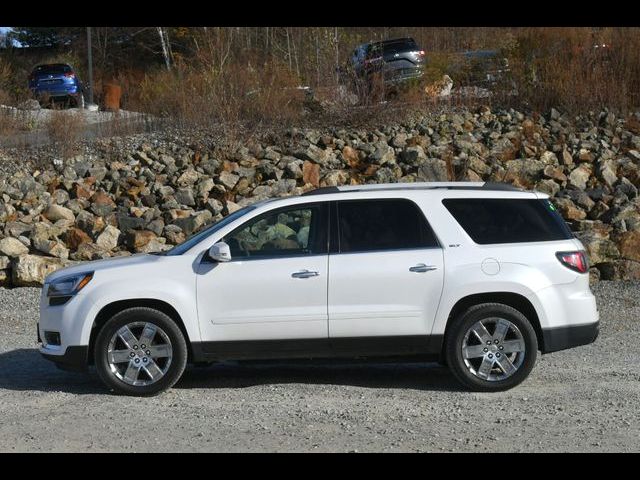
(78, 101)
(455, 338)
(148, 315)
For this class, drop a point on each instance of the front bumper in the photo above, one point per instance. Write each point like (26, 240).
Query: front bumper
(562, 338)
(74, 358)
(72, 351)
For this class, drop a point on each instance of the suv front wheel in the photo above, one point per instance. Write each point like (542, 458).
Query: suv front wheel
(491, 347)
(140, 351)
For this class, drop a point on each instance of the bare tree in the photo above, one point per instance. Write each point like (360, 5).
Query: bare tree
(165, 46)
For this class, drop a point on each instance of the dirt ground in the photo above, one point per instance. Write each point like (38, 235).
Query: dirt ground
(584, 399)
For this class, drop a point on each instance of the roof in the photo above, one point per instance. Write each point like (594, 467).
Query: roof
(387, 41)
(492, 186)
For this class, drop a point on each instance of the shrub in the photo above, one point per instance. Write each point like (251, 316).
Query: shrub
(65, 130)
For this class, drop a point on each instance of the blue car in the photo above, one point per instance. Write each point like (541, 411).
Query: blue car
(56, 82)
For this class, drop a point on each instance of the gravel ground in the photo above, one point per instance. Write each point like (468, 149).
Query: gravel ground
(585, 399)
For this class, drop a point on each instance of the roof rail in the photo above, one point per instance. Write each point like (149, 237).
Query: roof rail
(321, 191)
(500, 186)
(495, 186)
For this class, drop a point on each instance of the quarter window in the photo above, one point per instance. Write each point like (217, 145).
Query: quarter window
(394, 224)
(494, 220)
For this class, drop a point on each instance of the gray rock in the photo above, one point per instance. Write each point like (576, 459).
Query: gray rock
(228, 179)
(184, 196)
(608, 172)
(204, 187)
(294, 169)
(215, 206)
(580, 176)
(12, 247)
(15, 229)
(413, 155)
(313, 154)
(399, 140)
(127, 222)
(189, 177)
(335, 178)
(383, 154)
(57, 212)
(193, 223)
(108, 239)
(432, 170)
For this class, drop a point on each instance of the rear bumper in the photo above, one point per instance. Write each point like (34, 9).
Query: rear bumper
(74, 358)
(56, 92)
(396, 78)
(562, 338)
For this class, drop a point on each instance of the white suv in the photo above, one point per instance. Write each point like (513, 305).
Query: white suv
(478, 276)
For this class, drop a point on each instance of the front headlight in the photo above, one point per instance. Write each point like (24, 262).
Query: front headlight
(70, 285)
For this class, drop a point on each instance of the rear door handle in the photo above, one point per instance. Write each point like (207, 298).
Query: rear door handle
(421, 268)
(304, 274)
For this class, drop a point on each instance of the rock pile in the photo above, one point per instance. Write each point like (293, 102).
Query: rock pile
(153, 197)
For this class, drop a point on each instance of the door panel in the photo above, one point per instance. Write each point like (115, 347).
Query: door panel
(376, 294)
(260, 299)
(386, 274)
(275, 286)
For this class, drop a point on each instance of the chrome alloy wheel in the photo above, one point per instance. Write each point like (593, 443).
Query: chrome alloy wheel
(493, 349)
(139, 353)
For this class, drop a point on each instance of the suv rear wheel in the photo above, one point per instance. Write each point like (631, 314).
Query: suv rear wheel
(77, 101)
(491, 347)
(140, 351)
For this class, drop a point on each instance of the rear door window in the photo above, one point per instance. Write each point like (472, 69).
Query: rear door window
(492, 220)
(52, 69)
(373, 225)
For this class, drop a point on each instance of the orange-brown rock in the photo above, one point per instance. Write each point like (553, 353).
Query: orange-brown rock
(74, 237)
(350, 156)
(311, 173)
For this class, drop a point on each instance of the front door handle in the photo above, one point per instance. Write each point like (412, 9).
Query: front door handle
(304, 274)
(421, 268)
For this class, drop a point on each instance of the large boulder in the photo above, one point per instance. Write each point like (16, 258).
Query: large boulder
(12, 247)
(311, 173)
(383, 154)
(523, 173)
(31, 270)
(599, 249)
(629, 245)
(108, 239)
(580, 176)
(432, 170)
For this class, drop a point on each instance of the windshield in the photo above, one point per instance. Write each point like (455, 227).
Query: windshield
(211, 229)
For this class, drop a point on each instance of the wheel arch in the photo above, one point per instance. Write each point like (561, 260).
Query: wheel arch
(511, 299)
(111, 309)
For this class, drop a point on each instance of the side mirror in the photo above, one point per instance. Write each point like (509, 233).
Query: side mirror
(220, 252)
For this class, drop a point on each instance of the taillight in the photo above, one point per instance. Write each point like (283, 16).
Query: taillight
(421, 52)
(576, 261)
(70, 74)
